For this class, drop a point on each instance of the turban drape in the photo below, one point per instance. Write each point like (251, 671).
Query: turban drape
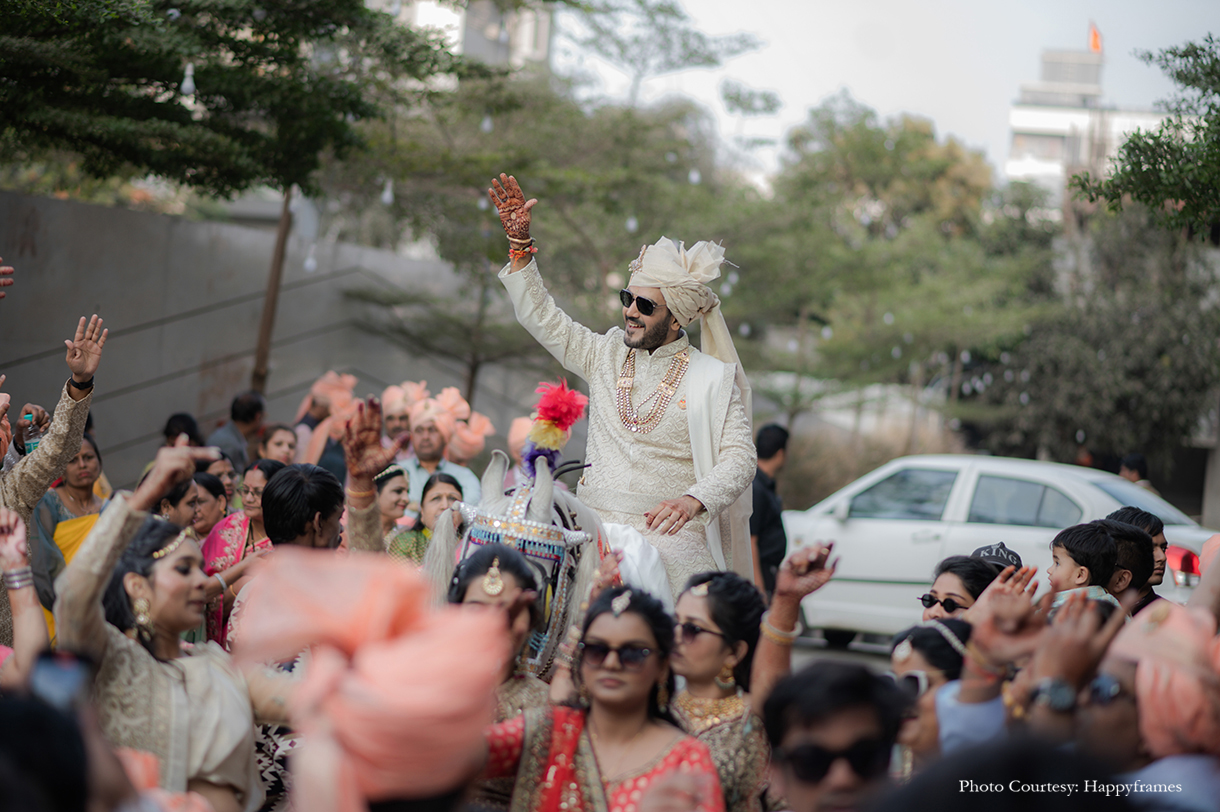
(396, 697)
(683, 276)
(335, 391)
(429, 410)
(517, 433)
(1177, 677)
(469, 438)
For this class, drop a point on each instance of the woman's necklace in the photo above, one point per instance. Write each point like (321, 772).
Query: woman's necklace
(608, 776)
(75, 505)
(663, 394)
(704, 713)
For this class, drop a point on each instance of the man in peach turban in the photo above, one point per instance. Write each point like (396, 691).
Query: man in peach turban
(320, 420)
(469, 438)
(396, 403)
(433, 424)
(670, 445)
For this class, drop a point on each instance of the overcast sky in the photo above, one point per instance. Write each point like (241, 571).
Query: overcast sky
(957, 62)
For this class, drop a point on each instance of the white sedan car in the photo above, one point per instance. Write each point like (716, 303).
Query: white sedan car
(892, 527)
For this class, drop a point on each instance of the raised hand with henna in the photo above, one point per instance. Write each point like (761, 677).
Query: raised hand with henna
(514, 209)
(85, 353)
(364, 454)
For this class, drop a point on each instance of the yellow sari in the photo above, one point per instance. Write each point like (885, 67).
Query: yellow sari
(69, 535)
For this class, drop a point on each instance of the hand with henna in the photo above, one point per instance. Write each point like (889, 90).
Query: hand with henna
(509, 200)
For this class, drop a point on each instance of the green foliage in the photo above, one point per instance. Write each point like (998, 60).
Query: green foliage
(1175, 169)
(277, 83)
(1130, 363)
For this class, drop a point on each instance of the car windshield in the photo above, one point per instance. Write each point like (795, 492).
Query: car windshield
(1128, 493)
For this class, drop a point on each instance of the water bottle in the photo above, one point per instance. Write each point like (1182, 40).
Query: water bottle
(33, 434)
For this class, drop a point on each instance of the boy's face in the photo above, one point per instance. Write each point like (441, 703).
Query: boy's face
(1064, 573)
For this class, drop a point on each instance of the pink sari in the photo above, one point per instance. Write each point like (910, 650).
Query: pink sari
(224, 547)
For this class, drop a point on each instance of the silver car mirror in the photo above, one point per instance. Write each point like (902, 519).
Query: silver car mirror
(842, 510)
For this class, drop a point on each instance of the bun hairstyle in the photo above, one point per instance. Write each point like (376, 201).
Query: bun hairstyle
(512, 563)
(653, 613)
(154, 535)
(737, 608)
(931, 643)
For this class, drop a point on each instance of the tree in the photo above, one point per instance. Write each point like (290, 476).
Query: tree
(1175, 169)
(274, 85)
(1128, 362)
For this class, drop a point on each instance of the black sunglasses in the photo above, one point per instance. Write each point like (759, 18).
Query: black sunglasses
(868, 758)
(1104, 689)
(689, 631)
(929, 600)
(631, 658)
(646, 306)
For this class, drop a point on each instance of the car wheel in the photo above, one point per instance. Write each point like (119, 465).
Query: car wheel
(838, 638)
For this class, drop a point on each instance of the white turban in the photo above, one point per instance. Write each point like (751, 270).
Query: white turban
(683, 276)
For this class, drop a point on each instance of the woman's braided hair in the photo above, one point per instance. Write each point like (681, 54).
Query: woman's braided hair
(737, 608)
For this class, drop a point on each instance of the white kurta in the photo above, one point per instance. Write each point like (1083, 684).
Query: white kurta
(632, 472)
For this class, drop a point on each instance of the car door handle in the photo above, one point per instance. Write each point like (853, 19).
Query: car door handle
(925, 535)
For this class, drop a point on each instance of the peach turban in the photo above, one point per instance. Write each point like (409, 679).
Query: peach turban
(398, 400)
(517, 434)
(451, 400)
(429, 410)
(1177, 677)
(335, 390)
(396, 695)
(469, 438)
(683, 276)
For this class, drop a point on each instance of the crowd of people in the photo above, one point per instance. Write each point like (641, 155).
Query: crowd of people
(337, 613)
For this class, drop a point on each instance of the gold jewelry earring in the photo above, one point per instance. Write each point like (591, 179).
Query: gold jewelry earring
(663, 695)
(725, 680)
(143, 611)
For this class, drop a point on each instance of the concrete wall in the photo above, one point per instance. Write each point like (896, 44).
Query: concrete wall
(182, 301)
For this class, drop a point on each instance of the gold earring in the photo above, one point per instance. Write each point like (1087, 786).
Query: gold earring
(583, 694)
(663, 695)
(143, 614)
(725, 680)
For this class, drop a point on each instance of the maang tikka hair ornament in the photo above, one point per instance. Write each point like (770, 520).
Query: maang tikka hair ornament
(620, 604)
(493, 584)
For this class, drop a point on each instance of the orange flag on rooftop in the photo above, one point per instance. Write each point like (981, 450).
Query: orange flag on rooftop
(1094, 39)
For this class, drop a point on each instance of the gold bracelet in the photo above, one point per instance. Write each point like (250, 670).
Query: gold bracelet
(526, 241)
(233, 591)
(360, 494)
(983, 664)
(780, 638)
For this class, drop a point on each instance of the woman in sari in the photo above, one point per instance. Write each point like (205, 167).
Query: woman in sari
(213, 504)
(233, 544)
(223, 470)
(441, 492)
(722, 626)
(135, 586)
(621, 742)
(62, 519)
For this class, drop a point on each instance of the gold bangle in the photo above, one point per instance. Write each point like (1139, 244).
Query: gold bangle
(780, 638)
(983, 664)
(526, 241)
(233, 591)
(360, 494)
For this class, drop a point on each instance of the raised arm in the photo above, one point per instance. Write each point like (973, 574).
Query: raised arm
(29, 626)
(804, 572)
(80, 620)
(28, 480)
(573, 345)
(366, 458)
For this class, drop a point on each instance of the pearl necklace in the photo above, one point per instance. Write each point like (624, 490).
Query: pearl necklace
(663, 394)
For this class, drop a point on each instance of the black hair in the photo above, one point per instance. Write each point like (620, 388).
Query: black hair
(395, 470)
(440, 479)
(210, 483)
(268, 468)
(1148, 522)
(512, 562)
(155, 534)
(89, 421)
(737, 608)
(176, 494)
(296, 494)
(660, 622)
(826, 688)
(247, 406)
(204, 465)
(1012, 761)
(935, 648)
(975, 573)
(1136, 462)
(44, 746)
(182, 423)
(1133, 550)
(1091, 547)
(447, 801)
(97, 452)
(772, 439)
(270, 429)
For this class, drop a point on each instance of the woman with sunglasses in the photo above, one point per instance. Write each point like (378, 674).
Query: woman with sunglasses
(959, 580)
(922, 659)
(233, 544)
(720, 616)
(619, 741)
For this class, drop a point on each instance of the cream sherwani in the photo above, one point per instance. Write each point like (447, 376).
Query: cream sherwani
(632, 472)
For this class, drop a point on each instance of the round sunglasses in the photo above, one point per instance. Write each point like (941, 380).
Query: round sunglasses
(929, 600)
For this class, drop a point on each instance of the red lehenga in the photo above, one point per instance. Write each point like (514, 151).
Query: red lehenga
(552, 757)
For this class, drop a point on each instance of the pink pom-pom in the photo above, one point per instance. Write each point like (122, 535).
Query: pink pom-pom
(560, 405)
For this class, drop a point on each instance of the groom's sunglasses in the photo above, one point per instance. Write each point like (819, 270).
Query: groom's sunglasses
(646, 306)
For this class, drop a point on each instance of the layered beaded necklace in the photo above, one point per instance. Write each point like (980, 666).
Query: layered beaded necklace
(663, 394)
